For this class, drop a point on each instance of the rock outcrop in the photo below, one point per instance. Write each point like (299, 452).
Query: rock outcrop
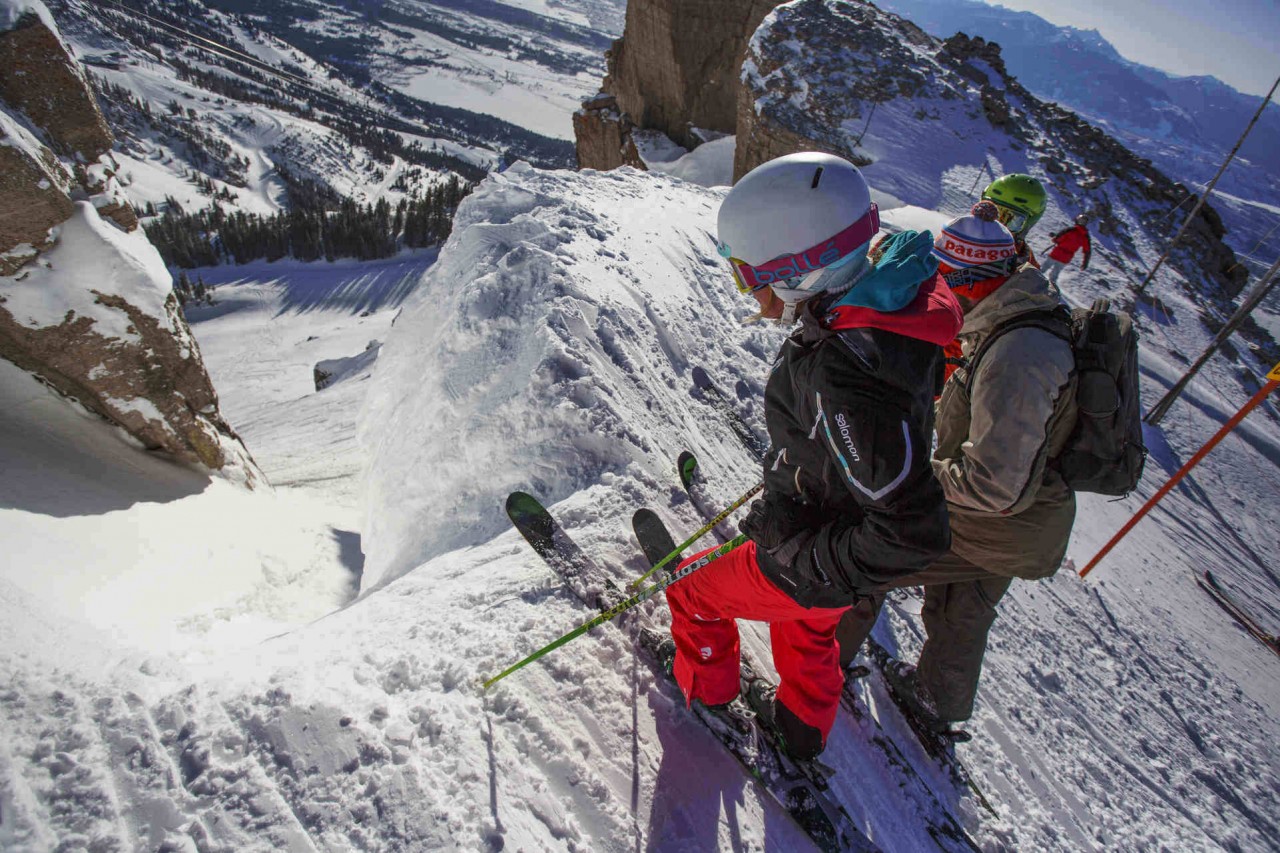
(34, 189)
(54, 142)
(848, 78)
(675, 69)
(39, 78)
(86, 303)
(603, 135)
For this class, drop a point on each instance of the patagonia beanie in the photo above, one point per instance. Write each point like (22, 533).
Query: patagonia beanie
(974, 240)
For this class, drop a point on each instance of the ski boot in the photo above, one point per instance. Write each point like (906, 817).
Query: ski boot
(918, 704)
(797, 738)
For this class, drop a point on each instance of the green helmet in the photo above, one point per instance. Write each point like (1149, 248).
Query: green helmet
(1021, 200)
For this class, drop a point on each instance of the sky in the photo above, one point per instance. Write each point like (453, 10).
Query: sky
(1234, 40)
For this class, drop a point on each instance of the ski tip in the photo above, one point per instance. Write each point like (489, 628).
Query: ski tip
(522, 501)
(700, 377)
(642, 514)
(687, 466)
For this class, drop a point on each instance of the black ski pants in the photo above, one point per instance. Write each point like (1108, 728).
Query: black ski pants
(959, 608)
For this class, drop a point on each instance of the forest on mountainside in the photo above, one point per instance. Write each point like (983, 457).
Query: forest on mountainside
(317, 225)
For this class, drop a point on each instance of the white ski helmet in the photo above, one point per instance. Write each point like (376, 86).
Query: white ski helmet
(791, 222)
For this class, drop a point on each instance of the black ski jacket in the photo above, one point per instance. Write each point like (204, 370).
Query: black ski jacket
(850, 419)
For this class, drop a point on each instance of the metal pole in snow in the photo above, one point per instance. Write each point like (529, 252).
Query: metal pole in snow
(1208, 189)
(1160, 409)
(1273, 381)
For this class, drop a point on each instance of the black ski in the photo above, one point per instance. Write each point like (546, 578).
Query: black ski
(711, 394)
(696, 488)
(800, 787)
(561, 553)
(1228, 603)
(940, 746)
(945, 829)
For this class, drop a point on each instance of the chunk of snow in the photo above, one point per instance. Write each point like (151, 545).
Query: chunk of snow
(90, 255)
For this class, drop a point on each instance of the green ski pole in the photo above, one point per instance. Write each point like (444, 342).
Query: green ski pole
(622, 606)
(702, 531)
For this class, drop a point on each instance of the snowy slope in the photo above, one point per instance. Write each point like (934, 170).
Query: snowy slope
(1186, 125)
(550, 348)
(1065, 652)
(240, 93)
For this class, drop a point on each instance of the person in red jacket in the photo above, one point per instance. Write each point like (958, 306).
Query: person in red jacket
(1066, 243)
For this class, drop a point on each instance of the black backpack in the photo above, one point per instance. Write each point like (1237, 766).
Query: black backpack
(1105, 453)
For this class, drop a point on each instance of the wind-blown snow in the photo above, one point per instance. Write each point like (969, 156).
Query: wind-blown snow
(555, 289)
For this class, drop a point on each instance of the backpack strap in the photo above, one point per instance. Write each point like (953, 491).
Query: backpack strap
(1056, 321)
(1091, 354)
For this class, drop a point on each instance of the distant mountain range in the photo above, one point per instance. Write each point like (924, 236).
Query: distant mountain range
(1185, 125)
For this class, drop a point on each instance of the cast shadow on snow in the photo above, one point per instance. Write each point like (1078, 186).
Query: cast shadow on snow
(351, 556)
(696, 781)
(496, 839)
(1158, 448)
(92, 488)
(367, 287)
(1155, 310)
(62, 463)
(319, 285)
(1160, 451)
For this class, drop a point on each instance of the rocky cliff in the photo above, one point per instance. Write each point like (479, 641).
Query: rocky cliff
(86, 303)
(848, 78)
(675, 69)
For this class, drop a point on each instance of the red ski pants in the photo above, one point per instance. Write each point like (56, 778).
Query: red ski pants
(703, 609)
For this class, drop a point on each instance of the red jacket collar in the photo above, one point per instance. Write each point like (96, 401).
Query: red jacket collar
(933, 316)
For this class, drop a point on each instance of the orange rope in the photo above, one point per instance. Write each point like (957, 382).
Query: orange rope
(1182, 472)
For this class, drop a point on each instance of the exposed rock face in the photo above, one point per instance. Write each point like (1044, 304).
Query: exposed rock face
(603, 136)
(96, 319)
(33, 197)
(87, 305)
(857, 64)
(674, 69)
(760, 140)
(847, 78)
(39, 78)
(53, 112)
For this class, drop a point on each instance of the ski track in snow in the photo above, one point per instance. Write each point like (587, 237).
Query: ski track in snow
(550, 348)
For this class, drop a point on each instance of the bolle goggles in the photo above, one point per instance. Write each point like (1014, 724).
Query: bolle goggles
(749, 279)
(1014, 220)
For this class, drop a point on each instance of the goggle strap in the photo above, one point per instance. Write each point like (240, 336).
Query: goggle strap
(810, 260)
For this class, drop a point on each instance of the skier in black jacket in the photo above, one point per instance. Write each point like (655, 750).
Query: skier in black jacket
(850, 498)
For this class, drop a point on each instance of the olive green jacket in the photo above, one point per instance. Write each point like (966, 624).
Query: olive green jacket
(1010, 512)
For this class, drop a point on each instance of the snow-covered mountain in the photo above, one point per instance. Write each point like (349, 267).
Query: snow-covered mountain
(189, 667)
(1185, 125)
(551, 348)
(245, 103)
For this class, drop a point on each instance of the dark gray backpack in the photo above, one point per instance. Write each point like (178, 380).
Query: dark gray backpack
(1105, 453)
